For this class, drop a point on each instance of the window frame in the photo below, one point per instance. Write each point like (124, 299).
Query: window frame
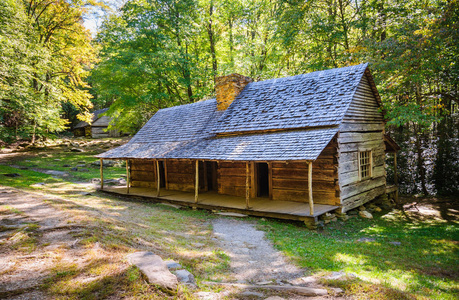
(370, 164)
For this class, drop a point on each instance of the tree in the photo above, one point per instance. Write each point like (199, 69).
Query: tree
(49, 53)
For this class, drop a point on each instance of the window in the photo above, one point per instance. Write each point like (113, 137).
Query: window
(365, 163)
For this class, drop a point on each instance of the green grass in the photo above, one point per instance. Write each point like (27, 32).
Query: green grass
(48, 161)
(424, 265)
(27, 178)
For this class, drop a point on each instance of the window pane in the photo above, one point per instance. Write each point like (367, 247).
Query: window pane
(365, 164)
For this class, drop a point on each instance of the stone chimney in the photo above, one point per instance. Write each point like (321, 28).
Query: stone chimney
(228, 87)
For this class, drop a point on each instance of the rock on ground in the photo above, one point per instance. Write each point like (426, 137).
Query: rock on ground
(185, 277)
(365, 214)
(154, 268)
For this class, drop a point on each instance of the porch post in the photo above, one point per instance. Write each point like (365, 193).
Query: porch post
(128, 176)
(311, 202)
(247, 194)
(196, 188)
(101, 174)
(158, 179)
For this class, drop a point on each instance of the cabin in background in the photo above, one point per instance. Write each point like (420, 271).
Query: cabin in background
(292, 148)
(98, 127)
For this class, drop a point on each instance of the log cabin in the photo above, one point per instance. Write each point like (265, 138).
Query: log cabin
(98, 127)
(291, 148)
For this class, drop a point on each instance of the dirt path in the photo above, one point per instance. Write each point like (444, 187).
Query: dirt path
(35, 223)
(253, 258)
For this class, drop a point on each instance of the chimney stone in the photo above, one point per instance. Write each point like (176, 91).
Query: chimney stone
(228, 88)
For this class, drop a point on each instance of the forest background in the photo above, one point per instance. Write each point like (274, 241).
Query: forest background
(151, 54)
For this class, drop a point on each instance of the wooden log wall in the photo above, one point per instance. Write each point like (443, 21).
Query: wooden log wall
(180, 175)
(232, 178)
(290, 180)
(143, 173)
(361, 130)
(99, 132)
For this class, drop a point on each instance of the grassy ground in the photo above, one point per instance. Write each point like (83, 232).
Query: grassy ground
(423, 266)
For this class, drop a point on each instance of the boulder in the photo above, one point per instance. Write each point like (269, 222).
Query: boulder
(172, 265)
(365, 214)
(185, 277)
(106, 163)
(76, 150)
(155, 269)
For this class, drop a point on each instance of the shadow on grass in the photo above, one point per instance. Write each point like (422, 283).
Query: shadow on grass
(412, 257)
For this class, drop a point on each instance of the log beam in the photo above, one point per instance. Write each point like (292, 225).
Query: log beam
(247, 182)
(311, 202)
(101, 173)
(128, 176)
(196, 187)
(158, 180)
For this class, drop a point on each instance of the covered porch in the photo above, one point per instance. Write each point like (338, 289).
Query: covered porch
(263, 207)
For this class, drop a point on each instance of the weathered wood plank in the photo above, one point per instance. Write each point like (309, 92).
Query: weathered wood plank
(136, 183)
(352, 177)
(351, 137)
(318, 174)
(231, 172)
(302, 196)
(178, 177)
(225, 164)
(146, 166)
(362, 198)
(302, 184)
(351, 147)
(142, 175)
(361, 186)
(360, 127)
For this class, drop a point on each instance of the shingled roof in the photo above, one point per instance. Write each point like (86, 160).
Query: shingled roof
(298, 115)
(95, 115)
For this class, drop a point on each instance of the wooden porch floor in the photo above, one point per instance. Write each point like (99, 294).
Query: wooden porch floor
(211, 200)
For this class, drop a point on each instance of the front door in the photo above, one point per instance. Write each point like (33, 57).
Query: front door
(262, 180)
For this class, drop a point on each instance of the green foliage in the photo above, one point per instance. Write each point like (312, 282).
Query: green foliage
(46, 54)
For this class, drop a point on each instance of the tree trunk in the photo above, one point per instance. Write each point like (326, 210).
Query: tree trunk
(210, 32)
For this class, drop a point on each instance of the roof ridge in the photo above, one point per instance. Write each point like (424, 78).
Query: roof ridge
(187, 104)
(325, 71)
